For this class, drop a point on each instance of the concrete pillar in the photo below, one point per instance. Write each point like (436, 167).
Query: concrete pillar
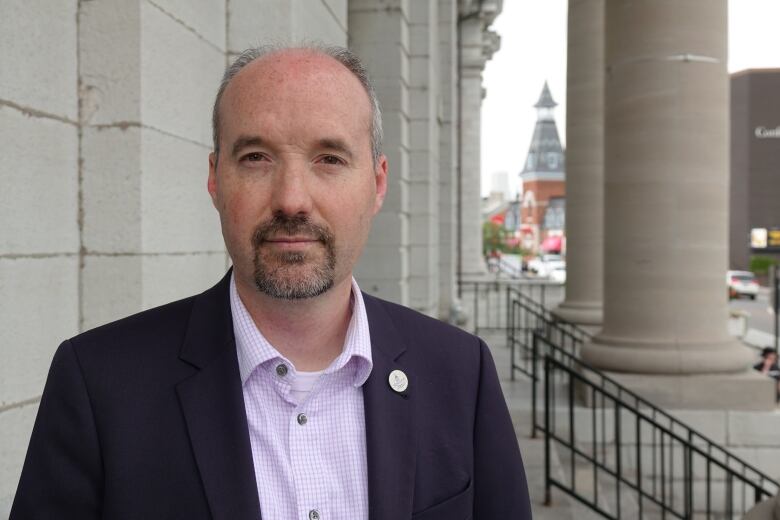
(472, 63)
(147, 76)
(424, 157)
(666, 193)
(39, 242)
(584, 164)
(448, 157)
(379, 34)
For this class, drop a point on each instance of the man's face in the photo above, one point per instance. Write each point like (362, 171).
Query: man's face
(294, 184)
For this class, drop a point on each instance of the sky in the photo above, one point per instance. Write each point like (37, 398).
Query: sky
(533, 50)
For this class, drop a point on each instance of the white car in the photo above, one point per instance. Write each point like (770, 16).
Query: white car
(558, 274)
(546, 264)
(742, 283)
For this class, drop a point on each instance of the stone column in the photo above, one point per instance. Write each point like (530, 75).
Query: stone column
(666, 213)
(424, 157)
(476, 47)
(379, 34)
(584, 164)
(448, 157)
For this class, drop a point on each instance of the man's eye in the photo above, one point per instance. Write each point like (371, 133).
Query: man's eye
(253, 157)
(331, 159)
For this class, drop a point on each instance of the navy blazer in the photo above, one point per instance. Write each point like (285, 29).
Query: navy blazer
(144, 418)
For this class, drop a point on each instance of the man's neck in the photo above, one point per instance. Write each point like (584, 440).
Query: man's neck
(309, 332)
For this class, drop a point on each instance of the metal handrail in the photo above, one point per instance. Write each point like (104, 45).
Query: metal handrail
(531, 326)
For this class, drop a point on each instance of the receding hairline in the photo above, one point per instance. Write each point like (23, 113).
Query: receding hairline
(342, 56)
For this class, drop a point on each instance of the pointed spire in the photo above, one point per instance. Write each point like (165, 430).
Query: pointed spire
(545, 99)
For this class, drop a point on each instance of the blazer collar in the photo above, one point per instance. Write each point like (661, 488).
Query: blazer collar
(390, 430)
(213, 405)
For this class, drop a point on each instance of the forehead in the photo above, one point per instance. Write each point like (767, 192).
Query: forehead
(296, 84)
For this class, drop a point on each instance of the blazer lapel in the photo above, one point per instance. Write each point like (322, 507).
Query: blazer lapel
(390, 433)
(213, 406)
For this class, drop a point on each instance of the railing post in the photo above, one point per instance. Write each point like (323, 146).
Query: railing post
(547, 486)
(534, 382)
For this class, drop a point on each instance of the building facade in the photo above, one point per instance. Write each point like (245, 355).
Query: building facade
(543, 213)
(754, 197)
(106, 136)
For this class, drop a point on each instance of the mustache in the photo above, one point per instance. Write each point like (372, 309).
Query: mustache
(281, 225)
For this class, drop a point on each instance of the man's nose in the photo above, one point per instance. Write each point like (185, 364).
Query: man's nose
(291, 194)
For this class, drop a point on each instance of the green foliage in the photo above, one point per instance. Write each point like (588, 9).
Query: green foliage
(760, 264)
(494, 238)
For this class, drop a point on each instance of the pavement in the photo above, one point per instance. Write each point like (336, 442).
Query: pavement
(518, 396)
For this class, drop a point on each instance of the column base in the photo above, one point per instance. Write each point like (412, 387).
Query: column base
(746, 390)
(667, 358)
(580, 313)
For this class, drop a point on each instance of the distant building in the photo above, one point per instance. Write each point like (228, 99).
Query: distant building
(543, 208)
(754, 226)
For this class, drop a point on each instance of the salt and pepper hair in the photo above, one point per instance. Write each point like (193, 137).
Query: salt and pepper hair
(340, 54)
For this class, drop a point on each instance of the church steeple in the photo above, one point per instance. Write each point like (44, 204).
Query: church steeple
(545, 159)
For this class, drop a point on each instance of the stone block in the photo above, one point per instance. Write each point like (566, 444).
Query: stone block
(419, 102)
(110, 61)
(254, 22)
(111, 288)
(315, 21)
(43, 80)
(39, 204)
(420, 200)
(393, 95)
(396, 127)
(15, 428)
(392, 290)
(176, 209)
(180, 76)
(758, 428)
(419, 70)
(420, 134)
(390, 228)
(423, 229)
(206, 18)
(111, 189)
(397, 197)
(380, 262)
(39, 309)
(385, 63)
(339, 9)
(710, 423)
(167, 278)
(422, 262)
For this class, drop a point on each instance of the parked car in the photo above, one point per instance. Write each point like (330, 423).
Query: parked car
(558, 274)
(545, 264)
(742, 283)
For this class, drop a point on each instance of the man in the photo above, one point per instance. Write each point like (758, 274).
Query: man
(282, 392)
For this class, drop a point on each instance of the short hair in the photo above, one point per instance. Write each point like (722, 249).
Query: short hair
(340, 54)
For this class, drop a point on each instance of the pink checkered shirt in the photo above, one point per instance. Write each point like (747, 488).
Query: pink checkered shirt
(309, 457)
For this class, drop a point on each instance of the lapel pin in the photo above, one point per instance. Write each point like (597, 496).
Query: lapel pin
(398, 381)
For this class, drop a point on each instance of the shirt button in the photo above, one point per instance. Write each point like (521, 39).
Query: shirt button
(281, 370)
(302, 420)
(314, 515)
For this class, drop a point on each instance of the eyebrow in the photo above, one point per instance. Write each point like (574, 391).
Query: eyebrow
(336, 145)
(245, 141)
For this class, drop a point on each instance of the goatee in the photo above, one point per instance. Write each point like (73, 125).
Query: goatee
(293, 275)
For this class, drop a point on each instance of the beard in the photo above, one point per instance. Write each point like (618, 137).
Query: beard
(293, 275)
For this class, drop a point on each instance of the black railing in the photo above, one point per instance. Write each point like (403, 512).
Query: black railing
(488, 302)
(637, 460)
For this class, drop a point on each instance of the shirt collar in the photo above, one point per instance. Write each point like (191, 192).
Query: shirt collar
(254, 350)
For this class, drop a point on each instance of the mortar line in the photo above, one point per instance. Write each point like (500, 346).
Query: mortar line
(32, 112)
(124, 125)
(19, 404)
(186, 26)
(80, 171)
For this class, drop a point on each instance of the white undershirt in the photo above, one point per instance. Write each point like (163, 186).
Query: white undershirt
(302, 383)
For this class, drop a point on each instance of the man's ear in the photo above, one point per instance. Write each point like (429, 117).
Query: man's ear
(211, 184)
(380, 177)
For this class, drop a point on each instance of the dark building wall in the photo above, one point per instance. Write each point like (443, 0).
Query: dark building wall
(755, 161)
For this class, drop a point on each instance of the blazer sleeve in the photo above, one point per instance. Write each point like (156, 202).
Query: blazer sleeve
(500, 487)
(62, 473)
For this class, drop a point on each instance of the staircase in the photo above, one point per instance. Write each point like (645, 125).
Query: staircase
(622, 484)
